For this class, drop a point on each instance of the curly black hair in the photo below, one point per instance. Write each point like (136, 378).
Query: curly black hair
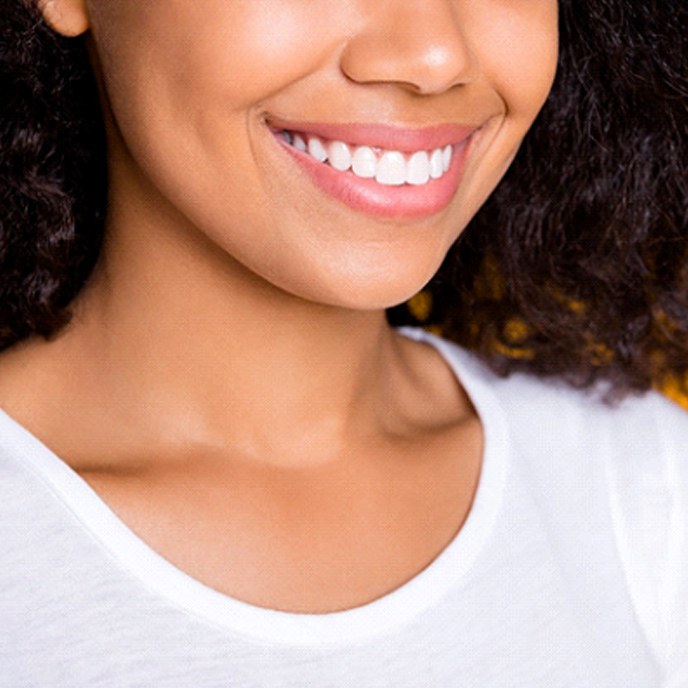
(53, 176)
(577, 266)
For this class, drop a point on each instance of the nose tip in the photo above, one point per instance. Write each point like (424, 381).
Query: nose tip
(417, 44)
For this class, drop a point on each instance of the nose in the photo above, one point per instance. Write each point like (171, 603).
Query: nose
(417, 44)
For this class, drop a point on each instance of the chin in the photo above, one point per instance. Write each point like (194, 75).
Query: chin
(366, 292)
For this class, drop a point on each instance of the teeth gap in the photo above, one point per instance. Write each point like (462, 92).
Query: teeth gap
(420, 166)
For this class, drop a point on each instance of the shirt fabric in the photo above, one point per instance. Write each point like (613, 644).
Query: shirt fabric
(571, 570)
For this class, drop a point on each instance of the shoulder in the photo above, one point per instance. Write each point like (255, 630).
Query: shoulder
(636, 453)
(555, 428)
(647, 427)
(649, 501)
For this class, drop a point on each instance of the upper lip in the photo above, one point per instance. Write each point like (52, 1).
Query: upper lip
(391, 137)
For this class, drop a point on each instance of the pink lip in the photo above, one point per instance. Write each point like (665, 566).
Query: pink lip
(368, 196)
(380, 135)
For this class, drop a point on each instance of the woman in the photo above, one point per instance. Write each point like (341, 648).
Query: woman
(221, 465)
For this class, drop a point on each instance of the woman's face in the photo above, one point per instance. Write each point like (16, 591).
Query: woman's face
(202, 92)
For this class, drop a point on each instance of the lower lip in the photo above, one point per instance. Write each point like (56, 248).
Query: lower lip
(394, 202)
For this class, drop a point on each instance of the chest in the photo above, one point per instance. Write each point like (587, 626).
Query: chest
(515, 620)
(301, 541)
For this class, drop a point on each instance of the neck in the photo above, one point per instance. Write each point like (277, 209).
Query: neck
(191, 345)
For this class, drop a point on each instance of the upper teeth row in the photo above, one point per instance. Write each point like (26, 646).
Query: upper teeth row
(389, 167)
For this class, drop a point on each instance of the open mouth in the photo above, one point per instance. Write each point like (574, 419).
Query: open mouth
(390, 172)
(386, 167)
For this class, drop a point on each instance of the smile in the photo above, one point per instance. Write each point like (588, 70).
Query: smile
(380, 170)
(387, 167)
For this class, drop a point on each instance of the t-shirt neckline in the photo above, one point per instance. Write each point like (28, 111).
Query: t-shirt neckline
(382, 615)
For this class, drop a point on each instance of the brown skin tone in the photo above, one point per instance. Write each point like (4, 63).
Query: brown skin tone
(228, 383)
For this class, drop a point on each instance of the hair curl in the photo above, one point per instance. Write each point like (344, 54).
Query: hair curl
(52, 173)
(577, 266)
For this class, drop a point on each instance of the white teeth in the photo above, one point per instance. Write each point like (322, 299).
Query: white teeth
(316, 149)
(299, 143)
(339, 156)
(390, 168)
(447, 155)
(436, 164)
(418, 171)
(365, 163)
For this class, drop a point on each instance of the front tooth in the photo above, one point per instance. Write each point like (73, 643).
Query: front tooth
(391, 170)
(418, 169)
(436, 164)
(447, 155)
(339, 156)
(364, 163)
(316, 149)
(299, 143)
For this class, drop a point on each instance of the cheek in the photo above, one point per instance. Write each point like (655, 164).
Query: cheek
(186, 83)
(521, 55)
(244, 49)
(183, 79)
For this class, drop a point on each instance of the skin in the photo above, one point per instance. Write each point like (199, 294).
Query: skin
(228, 383)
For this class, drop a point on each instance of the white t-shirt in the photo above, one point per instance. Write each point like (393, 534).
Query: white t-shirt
(571, 571)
